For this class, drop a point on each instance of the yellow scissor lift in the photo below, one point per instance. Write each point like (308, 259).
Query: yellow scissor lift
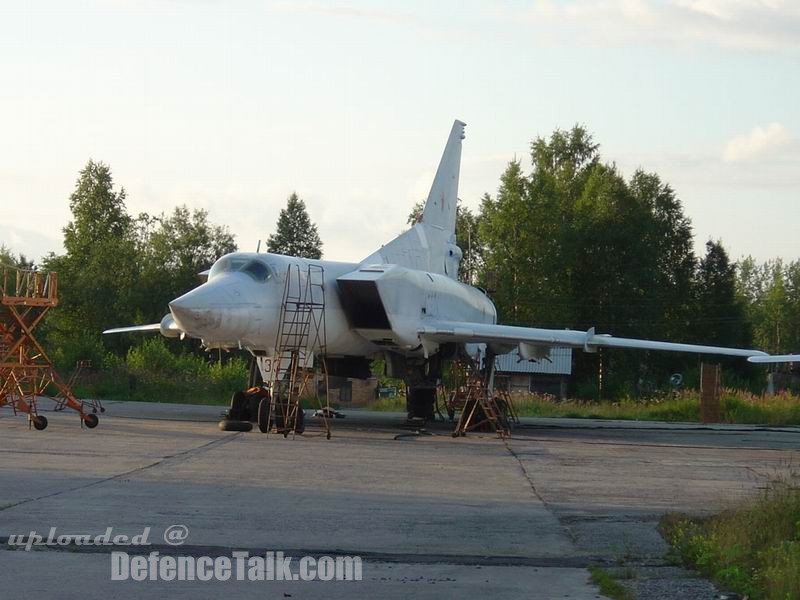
(26, 372)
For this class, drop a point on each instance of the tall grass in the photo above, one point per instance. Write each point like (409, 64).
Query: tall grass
(754, 550)
(151, 373)
(736, 407)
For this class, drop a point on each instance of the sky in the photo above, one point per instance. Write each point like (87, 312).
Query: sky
(232, 106)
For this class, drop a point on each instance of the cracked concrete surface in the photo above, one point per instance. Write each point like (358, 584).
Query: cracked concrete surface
(431, 515)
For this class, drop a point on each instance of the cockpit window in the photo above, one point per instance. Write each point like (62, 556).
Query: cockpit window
(223, 265)
(253, 267)
(257, 270)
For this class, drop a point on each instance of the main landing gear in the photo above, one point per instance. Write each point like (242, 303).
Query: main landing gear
(421, 403)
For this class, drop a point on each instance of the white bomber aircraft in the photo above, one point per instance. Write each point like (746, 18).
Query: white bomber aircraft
(404, 302)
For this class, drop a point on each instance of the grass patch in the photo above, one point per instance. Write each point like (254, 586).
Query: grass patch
(753, 551)
(151, 373)
(608, 585)
(390, 404)
(737, 407)
(118, 385)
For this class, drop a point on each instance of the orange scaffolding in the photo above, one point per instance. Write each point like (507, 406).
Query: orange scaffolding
(481, 407)
(26, 372)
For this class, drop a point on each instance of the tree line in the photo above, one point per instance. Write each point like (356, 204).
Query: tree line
(574, 244)
(571, 243)
(119, 268)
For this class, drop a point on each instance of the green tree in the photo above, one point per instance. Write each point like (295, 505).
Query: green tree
(174, 250)
(573, 244)
(511, 233)
(770, 292)
(791, 338)
(721, 318)
(99, 271)
(468, 238)
(668, 237)
(295, 234)
(775, 309)
(8, 258)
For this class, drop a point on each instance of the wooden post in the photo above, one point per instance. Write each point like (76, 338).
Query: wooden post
(710, 386)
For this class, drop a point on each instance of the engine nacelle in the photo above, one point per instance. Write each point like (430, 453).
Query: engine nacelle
(387, 304)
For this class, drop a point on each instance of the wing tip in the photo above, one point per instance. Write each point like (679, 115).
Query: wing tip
(764, 358)
(133, 328)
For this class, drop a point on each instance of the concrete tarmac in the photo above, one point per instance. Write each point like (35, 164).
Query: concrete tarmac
(429, 515)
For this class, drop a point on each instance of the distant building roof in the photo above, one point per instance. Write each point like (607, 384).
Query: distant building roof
(559, 363)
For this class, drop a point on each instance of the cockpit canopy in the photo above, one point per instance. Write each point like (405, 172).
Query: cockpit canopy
(255, 268)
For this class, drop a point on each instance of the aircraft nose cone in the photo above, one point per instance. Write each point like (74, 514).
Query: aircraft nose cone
(217, 311)
(184, 316)
(197, 311)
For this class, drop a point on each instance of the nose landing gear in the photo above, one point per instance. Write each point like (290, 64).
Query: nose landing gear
(245, 409)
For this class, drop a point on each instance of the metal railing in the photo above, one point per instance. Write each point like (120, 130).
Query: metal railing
(28, 287)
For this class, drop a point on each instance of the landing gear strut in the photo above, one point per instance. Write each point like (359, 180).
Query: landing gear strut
(420, 403)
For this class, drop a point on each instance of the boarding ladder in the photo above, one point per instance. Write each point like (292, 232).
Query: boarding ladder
(300, 338)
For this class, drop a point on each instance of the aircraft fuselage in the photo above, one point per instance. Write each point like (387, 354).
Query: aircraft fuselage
(368, 308)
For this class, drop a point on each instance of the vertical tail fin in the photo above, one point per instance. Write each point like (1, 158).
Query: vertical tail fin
(430, 244)
(440, 208)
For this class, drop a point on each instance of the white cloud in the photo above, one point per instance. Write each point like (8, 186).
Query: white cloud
(758, 142)
(33, 244)
(728, 9)
(739, 24)
(348, 11)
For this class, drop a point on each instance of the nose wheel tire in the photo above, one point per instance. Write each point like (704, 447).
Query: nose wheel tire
(263, 414)
(231, 425)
